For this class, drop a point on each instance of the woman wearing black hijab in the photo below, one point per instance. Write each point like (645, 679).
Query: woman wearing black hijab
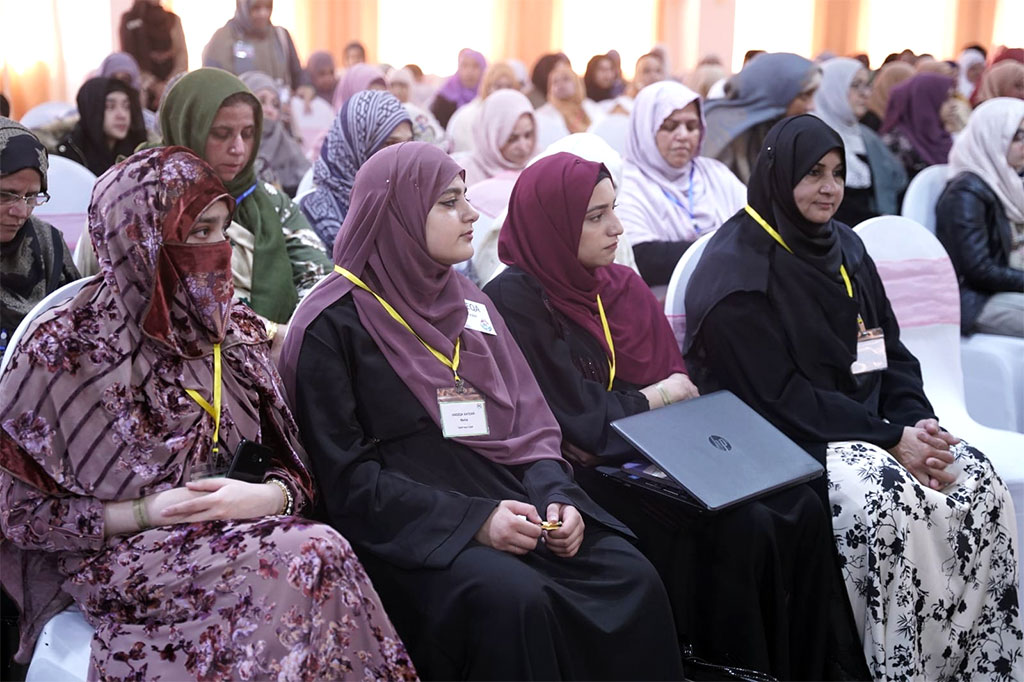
(110, 125)
(924, 526)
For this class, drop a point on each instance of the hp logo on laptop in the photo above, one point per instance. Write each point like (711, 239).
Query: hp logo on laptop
(720, 443)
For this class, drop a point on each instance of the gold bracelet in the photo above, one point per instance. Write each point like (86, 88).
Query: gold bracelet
(271, 330)
(664, 395)
(139, 512)
(289, 499)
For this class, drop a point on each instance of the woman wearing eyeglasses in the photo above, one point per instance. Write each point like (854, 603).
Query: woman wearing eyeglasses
(33, 257)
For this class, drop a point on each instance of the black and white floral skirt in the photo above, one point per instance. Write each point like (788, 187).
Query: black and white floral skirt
(931, 575)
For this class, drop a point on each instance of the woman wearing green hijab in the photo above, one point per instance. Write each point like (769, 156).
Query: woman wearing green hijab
(277, 258)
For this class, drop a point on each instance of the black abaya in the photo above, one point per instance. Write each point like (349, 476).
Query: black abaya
(751, 586)
(411, 501)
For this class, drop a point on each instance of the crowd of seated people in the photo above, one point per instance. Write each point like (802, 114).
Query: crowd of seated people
(298, 437)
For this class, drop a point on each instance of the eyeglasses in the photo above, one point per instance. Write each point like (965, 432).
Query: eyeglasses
(31, 200)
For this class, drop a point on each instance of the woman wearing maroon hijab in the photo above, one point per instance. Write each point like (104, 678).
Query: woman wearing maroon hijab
(913, 127)
(750, 587)
(436, 450)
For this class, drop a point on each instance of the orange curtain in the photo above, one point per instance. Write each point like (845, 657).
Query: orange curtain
(525, 29)
(836, 27)
(670, 21)
(975, 20)
(332, 24)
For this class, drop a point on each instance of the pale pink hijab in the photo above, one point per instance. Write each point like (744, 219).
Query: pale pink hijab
(499, 113)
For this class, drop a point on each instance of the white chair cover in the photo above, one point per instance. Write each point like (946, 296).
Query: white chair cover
(613, 129)
(46, 113)
(305, 184)
(69, 185)
(922, 195)
(675, 295)
(62, 650)
(895, 243)
(311, 127)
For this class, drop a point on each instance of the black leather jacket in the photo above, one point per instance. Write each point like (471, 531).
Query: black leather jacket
(972, 225)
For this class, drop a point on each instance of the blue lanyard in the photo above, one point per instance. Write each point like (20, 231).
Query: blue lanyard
(689, 196)
(241, 197)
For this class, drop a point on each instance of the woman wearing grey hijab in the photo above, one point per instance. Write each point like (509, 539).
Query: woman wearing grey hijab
(768, 88)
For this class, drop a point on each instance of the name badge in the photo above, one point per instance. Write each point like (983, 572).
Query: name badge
(870, 352)
(479, 320)
(463, 411)
(243, 49)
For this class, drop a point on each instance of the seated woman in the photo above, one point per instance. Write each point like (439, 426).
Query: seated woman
(110, 125)
(913, 128)
(462, 125)
(491, 197)
(979, 218)
(875, 179)
(786, 310)
(505, 138)
(447, 506)
(35, 261)
(276, 257)
(460, 88)
(768, 88)
(567, 109)
(559, 242)
(280, 154)
(670, 194)
(322, 74)
(888, 77)
(367, 123)
(111, 433)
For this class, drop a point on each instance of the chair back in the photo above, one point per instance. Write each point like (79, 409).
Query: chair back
(305, 184)
(46, 113)
(613, 129)
(675, 295)
(69, 185)
(922, 289)
(57, 297)
(922, 195)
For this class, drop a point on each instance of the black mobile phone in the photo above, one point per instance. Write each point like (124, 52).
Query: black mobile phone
(250, 462)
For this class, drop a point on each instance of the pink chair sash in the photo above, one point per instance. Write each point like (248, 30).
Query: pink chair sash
(71, 225)
(922, 291)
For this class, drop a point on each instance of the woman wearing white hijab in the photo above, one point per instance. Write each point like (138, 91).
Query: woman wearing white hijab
(670, 194)
(980, 218)
(875, 178)
(505, 137)
(972, 65)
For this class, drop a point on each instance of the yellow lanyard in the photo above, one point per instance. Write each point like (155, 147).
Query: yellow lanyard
(611, 345)
(212, 410)
(452, 364)
(778, 237)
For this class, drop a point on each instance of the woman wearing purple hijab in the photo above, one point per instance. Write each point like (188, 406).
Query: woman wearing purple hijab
(913, 128)
(461, 87)
(442, 461)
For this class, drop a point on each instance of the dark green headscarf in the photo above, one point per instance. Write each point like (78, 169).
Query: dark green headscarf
(186, 116)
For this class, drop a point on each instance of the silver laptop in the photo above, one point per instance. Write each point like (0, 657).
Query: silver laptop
(713, 452)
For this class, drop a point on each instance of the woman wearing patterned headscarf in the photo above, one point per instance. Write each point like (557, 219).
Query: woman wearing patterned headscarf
(368, 122)
(35, 261)
(120, 411)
